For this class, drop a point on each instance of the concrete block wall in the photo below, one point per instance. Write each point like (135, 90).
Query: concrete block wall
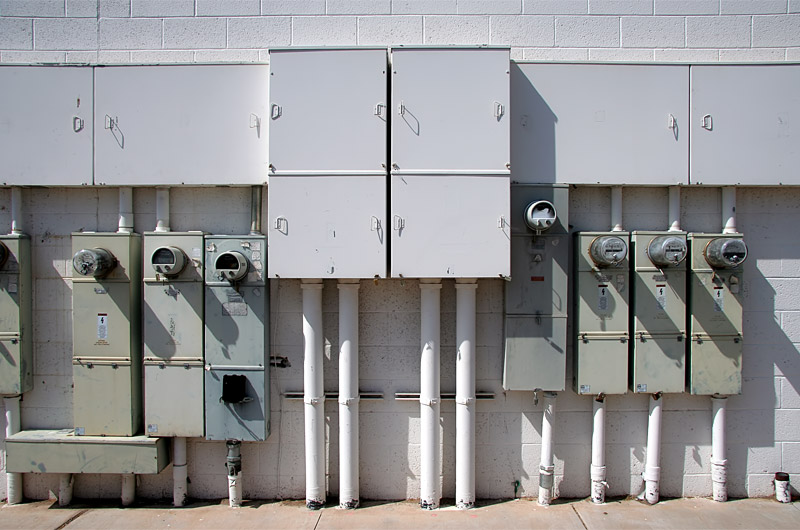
(763, 423)
(180, 31)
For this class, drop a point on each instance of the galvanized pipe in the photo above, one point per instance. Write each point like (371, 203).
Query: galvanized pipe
(162, 210)
(255, 210)
(125, 225)
(233, 464)
(180, 472)
(13, 480)
(652, 469)
(313, 395)
(465, 393)
(598, 466)
(348, 395)
(430, 394)
(546, 467)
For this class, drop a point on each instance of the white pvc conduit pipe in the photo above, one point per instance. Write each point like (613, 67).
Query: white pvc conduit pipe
(430, 394)
(162, 210)
(719, 462)
(125, 225)
(128, 488)
(729, 210)
(465, 393)
(348, 395)
(598, 466)
(616, 209)
(16, 210)
(546, 466)
(180, 472)
(674, 208)
(313, 395)
(65, 485)
(13, 480)
(652, 469)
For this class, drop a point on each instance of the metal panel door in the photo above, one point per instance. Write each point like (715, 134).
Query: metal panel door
(46, 125)
(328, 111)
(450, 227)
(327, 227)
(536, 353)
(181, 124)
(169, 412)
(744, 125)
(607, 124)
(450, 110)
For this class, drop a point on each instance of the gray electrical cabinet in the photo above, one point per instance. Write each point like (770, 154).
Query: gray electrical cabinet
(173, 334)
(236, 338)
(658, 306)
(600, 123)
(327, 186)
(715, 313)
(449, 183)
(106, 336)
(536, 295)
(751, 144)
(187, 124)
(600, 317)
(46, 125)
(16, 324)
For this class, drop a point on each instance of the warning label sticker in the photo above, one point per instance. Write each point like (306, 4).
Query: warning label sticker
(102, 328)
(602, 297)
(661, 297)
(719, 299)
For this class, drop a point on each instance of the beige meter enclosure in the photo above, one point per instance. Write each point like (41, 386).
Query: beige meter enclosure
(16, 325)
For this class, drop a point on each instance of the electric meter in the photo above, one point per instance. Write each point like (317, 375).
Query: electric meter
(667, 251)
(169, 261)
(231, 266)
(96, 262)
(725, 253)
(540, 215)
(608, 251)
(3, 254)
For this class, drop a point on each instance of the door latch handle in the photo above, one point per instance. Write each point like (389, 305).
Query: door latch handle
(77, 124)
(708, 122)
(276, 111)
(499, 110)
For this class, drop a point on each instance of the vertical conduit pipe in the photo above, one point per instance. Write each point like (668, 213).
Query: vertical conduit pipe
(465, 393)
(729, 210)
(162, 210)
(652, 469)
(313, 394)
(233, 464)
(674, 208)
(616, 209)
(719, 462)
(546, 467)
(348, 394)
(125, 225)
(66, 481)
(180, 472)
(128, 488)
(255, 210)
(13, 480)
(598, 466)
(16, 210)
(429, 396)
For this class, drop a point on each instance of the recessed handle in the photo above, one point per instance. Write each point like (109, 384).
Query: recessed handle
(77, 124)
(277, 111)
(708, 122)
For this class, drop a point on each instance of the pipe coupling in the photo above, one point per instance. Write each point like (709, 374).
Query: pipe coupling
(233, 461)
(464, 400)
(598, 473)
(312, 400)
(651, 473)
(546, 479)
(349, 401)
(429, 402)
(719, 471)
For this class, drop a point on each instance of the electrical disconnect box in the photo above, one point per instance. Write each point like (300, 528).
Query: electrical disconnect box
(327, 185)
(536, 296)
(715, 313)
(236, 338)
(16, 337)
(173, 334)
(106, 324)
(658, 306)
(601, 294)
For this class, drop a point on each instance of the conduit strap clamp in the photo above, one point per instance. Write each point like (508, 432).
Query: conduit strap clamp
(429, 402)
(546, 479)
(312, 400)
(349, 401)
(464, 400)
(651, 474)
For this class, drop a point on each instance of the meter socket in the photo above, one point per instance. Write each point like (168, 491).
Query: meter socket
(667, 251)
(725, 253)
(169, 261)
(231, 266)
(540, 215)
(96, 262)
(608, 251)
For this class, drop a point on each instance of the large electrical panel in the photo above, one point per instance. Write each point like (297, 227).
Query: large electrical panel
(536, 296)
(450, 162)
(183, 124)
(658, 309)
(106, 336)
(173, 334)
(600, 325)
(236, 338)
(46, 125)
(715, 313)
(16, 332)
(327, 185)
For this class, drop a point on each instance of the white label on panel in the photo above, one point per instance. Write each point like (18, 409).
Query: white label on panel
(585, 389)
(235, 306)
(661, 297)
(12, 287)
(255, 245)
(719, 301)
(152, 428)
(102, 327)
(197, 253)
(602, 297)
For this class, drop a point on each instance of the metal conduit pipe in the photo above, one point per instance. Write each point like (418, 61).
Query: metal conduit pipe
(652, 469)
(546, 467)
(162, 210)
(465, 393)
(125, 225)
(128, 489)
(674, 208)
(598, 466)
(16, 210)
(313, 395)
(13, 480)
(616, 209)
(348, 394)
(180, 472)
(255, 210)
(729, 210)
(719, 462)
(66, 481)
(233, 464)
(430, 394)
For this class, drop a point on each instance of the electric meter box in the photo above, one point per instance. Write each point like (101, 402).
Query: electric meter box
(536, 297)
(600, 324)
(173, 333)
(106, 333)
(16, 324)
(658, 306)
(236, 338)
(715, 313)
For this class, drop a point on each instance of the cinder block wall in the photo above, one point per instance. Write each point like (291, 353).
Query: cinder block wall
(764, 423)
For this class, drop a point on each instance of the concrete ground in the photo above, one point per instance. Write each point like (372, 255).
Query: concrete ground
(520, 513)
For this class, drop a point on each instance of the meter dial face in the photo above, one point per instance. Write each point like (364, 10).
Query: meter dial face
(725, 253)
(540, 215)
(667, 251)
(96, 262)
(608, 251)
(169, 261)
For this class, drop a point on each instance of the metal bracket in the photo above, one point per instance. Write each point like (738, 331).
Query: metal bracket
(499, 110)
(375, 224)
(111, 123)
(501, 222)
(281, 224)
(276, 111)
(255, 122)
(672, 122)
(708, 122)
(399, 222)
(401, 109)
(379, 109)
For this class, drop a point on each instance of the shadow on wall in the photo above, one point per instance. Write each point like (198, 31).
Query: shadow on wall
(533, 135)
